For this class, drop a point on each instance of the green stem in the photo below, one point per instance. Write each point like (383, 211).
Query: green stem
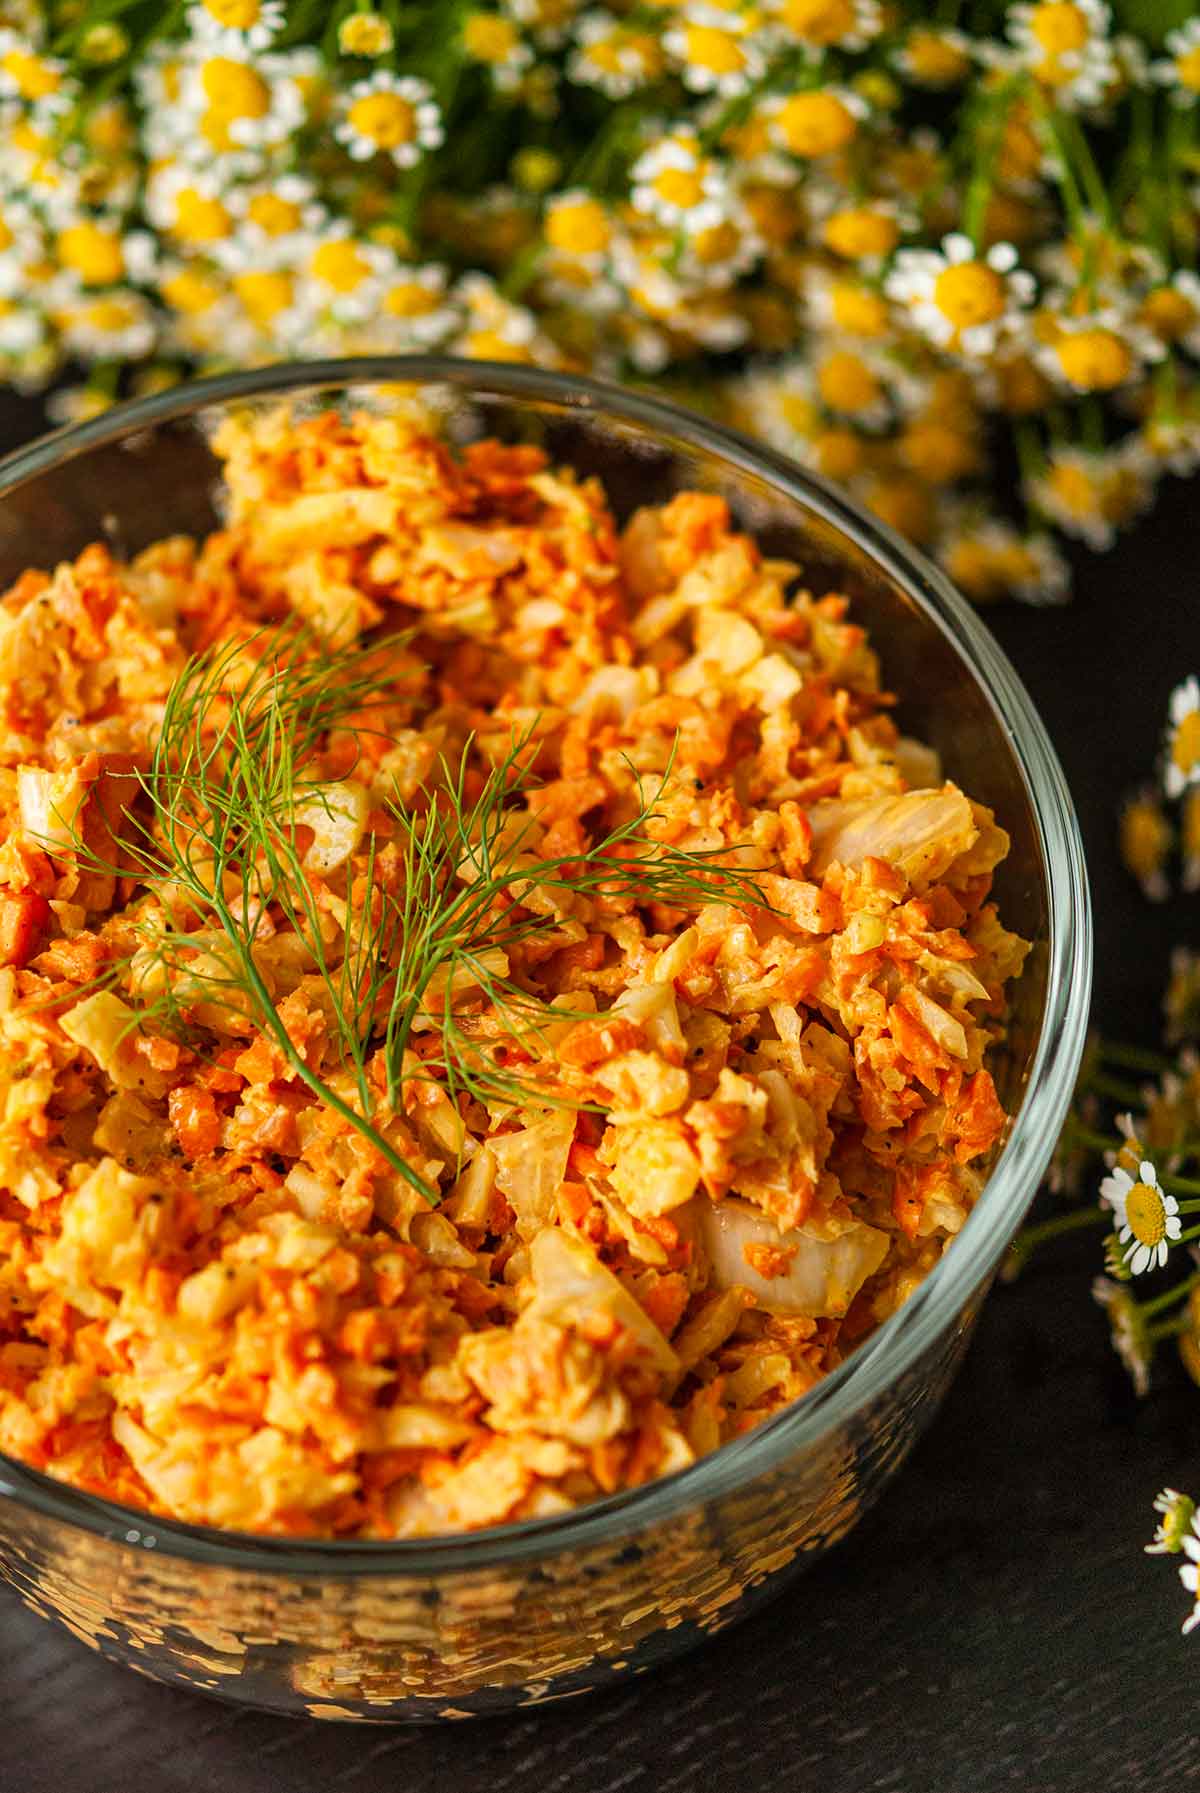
(308, 1077)
(1127, 1094)
(1134, 1058)
(1170, 1296)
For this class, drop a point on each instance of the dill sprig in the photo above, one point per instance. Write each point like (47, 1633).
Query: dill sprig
(433, 916)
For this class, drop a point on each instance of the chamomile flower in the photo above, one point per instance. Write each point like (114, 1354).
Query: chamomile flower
(963, 301)
(496, 41)
(1145, 838)
(990, 559)
(1097, 352)
(1092, 493)
(365, 34)
(111, 326)
(852, 382)
(1146, 1218)
(679, 186)
(828, 24)
(815, 122)
(1065, 45)
(1189, 1575)
(613, 56)
(78, 404)
(1179, 70)
(233, 103)
(189, 204)
(715, 258)
(716, 49)
(493, 328)
(1130, 1332)
(934, 56)
(1189, 839)
(1181, 762)
(549, 21)
(1171, 310)
(1181, 1003)
(41, 81)
(254, 23)
(1177, 1512)
(346, 275)
(578, 228)
(414, 309)
(277, 221)
(390, 115)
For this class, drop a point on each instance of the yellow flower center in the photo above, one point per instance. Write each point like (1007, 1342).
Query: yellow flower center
(274, 215)
(235, 15)
(1073, 488)
(819, 21)
(1187, 69)
(1170, 314)
(109, 314)
(233, 89)
(32, 78)
(815, 124)
(969, 293)
(711, 48)
(92, 252)
(717, 244)
(190, 291)
(341, 265)
(6, 236)
(858, 311)
(840, 454)
(1145, 840)
(972, 565)
(1185, 746)
(365, 34)
(937, 452)
(489, 37)
(682, 188)
(1094, 360)
(859, 231)
(384, 119)
(1146, 1214)
(489, 345)
(264, 294)
(1059, 26)
(906, 506)
(199, 218)
(798, 412)
(931, 58)
(846, 383)
(409, 299)
(578, 227)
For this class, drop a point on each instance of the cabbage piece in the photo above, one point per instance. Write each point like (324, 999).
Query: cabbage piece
(337, 815)
(823, 1276)
(921, 833)
(570, 1283)
(530, 1167)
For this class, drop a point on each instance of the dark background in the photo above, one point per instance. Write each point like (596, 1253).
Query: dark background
(993, 1622)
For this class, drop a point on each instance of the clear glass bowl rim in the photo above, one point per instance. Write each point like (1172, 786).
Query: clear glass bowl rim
(1013, 1181)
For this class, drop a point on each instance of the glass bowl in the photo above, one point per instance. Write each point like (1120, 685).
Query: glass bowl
(512, 1616)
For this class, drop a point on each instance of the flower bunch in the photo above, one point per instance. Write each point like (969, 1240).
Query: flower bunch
(913, 256)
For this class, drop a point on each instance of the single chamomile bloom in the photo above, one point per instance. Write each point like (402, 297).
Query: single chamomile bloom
(1065, 45)
(25, 74)
(1130, 1333)
(613, 57)
(1097, 352)
(1182, 764)
(391, 115)
(959, 299)
(1179, 70)
(365, 34)
(1178, 1511)
(716, 50)
(1146, 1218)
(1189, 1575)
(675, 183)
(253, 23)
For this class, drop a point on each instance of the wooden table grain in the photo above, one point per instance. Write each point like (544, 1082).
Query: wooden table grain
(993, 1624)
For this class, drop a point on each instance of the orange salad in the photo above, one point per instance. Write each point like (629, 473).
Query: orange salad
(492, 1008)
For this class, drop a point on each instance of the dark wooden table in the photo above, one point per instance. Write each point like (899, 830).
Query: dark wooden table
(993, 1624)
